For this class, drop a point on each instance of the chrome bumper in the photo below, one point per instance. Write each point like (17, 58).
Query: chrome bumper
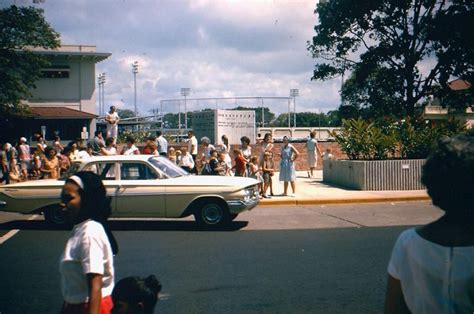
(238, 206)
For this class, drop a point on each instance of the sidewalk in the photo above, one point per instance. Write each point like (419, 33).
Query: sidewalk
(314, 192)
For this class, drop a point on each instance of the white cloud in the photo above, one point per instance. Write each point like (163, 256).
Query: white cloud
(216, 48)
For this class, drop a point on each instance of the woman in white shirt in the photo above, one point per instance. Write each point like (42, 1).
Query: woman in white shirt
(86, 265)
(130, 148)
(432, 267)
(312, 151)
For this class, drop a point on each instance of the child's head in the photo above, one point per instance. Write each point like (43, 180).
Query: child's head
(254, 160)
(184, 150)
(328, 150)
(178, 152)
(267, 155)
(135, 295)
(171, 152)
(237, 152)
(213, 153)
(221, 156)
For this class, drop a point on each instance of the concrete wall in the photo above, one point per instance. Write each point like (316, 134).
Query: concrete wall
(375, 175)
(76, 92)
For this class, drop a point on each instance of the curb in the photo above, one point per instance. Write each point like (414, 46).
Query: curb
(296, 202)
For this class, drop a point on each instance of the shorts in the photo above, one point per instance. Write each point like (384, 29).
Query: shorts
(25, 164)
(266, 177)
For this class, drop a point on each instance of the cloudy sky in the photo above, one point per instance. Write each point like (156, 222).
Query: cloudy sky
(217, 48)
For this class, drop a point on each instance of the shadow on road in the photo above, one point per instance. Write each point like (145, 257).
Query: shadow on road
(126, 225)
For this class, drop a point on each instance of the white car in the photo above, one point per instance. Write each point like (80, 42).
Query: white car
(142, 186)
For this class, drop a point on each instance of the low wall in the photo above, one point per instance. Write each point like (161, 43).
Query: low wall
(375, 175)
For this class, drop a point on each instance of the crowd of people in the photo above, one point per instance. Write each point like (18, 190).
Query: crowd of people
(21, 162)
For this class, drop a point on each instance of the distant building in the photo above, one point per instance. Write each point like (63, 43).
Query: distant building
(232, 123)
(64, 101)
(436, 112)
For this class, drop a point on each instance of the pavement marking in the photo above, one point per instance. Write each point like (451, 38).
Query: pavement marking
(346, 220)
(12, 233)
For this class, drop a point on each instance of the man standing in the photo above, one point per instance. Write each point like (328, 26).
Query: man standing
(112, 118)
(4, 163)
(97, 143)
(193, 148)
(162, 144)
(25, 157)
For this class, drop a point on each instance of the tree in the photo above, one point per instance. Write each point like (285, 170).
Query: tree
(125, 113)
(416, 44)
(22, 28)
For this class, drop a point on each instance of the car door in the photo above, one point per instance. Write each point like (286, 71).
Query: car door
(108, 172)
(140, 193)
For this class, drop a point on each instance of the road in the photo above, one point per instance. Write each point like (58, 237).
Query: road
(315, 259)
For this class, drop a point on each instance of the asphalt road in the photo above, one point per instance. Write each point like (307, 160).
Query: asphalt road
(249, 268)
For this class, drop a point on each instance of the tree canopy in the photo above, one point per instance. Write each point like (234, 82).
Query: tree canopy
(22, 28)
(396, 50)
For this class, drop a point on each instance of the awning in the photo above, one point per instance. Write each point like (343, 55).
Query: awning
(60, 113)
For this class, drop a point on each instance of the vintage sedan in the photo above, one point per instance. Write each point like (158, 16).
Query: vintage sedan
(142, 186)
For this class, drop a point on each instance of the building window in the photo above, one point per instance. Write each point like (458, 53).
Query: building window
(57, 71)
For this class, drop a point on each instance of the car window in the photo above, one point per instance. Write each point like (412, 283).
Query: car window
(136, 171)
(106, 170)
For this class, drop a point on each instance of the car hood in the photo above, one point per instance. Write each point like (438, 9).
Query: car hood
(213, 181)
(34, 184)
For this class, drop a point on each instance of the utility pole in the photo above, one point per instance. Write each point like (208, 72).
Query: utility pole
(185, 92)
(135, 72)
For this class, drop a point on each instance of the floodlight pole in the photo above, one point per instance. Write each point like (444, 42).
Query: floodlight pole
(294, 93)
(185, 92)
(135, 72)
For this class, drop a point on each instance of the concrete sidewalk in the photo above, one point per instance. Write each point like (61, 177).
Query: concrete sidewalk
(312, 191)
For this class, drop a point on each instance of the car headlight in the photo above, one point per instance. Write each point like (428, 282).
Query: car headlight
(250, 193)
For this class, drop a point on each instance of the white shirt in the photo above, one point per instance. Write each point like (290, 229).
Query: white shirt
(130, 151)
(434, 278)
(187, 160)
(193, 145)
(87, 251)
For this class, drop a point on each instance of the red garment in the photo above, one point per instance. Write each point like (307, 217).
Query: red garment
(106, 306)
(240, 165)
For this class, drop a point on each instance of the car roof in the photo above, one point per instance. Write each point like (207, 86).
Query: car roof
(119, 158)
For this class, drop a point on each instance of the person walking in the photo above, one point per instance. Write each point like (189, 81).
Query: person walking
(431, 269)
(225, 149)
(87, 262)
(112, 119)
(162, 144)
(4, 163)
(312, 151)
(287, 166)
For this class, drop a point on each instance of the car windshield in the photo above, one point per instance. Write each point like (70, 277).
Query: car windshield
(168, 167)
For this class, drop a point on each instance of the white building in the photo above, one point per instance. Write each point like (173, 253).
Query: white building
(232, 123)
(64, 100)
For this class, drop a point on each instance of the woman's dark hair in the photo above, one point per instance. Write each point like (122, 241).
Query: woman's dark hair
(225, 139)
(48, 150)
(245, 139)
(109, 140)
(266, 137)
(130, 139)
(135, 290)
(449, 175)
(95, 204)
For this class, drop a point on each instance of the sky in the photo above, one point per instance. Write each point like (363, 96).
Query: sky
(216, 48)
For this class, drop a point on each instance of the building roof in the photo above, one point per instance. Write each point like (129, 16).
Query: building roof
(459, 84)
(60, 113)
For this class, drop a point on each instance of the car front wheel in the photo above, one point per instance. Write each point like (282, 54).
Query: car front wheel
(212, 214)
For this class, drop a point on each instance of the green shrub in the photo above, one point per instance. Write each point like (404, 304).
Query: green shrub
(387, 139)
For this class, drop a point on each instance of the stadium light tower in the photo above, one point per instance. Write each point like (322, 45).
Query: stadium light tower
(135, 72)
(294, 93)
(185, 93)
